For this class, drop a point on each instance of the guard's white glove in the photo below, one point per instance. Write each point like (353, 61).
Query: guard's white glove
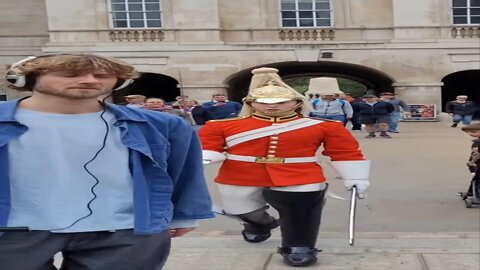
(361, 185)
(355, 173)
(209, 157)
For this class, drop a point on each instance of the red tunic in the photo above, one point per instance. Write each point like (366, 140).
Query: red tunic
(337, 142)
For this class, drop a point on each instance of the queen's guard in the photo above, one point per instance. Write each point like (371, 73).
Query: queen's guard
(268, 157)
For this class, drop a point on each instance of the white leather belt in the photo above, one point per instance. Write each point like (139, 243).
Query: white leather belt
(274, 160)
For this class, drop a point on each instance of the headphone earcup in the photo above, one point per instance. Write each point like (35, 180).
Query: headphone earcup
(122, 84)
(15, 79)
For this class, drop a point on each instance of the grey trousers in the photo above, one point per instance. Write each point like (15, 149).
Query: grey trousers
(119, 250)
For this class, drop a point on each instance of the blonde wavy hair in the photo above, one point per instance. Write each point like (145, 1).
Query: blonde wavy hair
(74, 64)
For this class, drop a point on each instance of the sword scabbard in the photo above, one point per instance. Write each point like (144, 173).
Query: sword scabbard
(351, 223)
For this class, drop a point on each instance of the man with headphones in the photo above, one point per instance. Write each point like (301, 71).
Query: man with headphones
(106, 185)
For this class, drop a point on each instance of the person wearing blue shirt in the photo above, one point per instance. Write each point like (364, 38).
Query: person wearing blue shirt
(105, 185)
(221, 108)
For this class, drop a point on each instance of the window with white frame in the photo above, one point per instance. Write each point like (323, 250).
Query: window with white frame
(136, 13)
(306, 13)
(466, 11)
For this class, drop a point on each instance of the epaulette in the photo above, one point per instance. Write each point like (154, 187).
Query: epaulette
(324, 119)
(227, 119)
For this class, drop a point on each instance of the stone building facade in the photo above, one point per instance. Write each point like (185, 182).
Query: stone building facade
(425, 51)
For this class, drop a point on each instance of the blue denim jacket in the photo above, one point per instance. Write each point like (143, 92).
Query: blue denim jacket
(165, 161)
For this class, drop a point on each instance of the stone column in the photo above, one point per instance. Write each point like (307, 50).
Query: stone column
(197, 21)
(420, 93)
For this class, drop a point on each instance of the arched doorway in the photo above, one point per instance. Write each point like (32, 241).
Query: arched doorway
(150, 85)
(372, 79)
(465, 82)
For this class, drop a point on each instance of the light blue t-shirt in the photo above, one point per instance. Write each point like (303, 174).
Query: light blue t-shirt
(50, 189)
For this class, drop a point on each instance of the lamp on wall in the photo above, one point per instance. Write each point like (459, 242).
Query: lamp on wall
(326, 55)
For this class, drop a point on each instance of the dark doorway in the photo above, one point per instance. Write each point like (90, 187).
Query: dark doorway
(374, 80)
(461, 83)
(150, 85)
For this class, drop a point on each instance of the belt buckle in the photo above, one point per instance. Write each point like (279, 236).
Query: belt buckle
(274, 160)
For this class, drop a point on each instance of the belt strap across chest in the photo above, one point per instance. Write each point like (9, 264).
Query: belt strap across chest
(270, 130)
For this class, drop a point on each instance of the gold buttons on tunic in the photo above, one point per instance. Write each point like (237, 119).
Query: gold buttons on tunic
(272, 146)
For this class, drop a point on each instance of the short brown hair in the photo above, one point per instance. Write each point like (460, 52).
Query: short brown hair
(475, 126)
(75, 63)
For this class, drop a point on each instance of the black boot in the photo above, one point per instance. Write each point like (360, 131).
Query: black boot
(256, 233)
(300, 215)
(258, 225)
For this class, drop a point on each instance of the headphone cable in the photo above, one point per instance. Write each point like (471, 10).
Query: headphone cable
(92, 189)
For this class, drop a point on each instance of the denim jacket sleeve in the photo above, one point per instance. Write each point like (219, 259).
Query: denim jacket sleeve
(190, 196)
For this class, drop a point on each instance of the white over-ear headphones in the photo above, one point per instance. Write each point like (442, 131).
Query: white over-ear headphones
(16, 78)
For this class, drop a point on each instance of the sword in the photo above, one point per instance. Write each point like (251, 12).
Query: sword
(351, 223)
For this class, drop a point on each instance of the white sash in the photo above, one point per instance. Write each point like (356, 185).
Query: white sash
(270, 130)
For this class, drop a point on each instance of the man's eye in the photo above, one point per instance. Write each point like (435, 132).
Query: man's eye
(67, 75)
(103, 75)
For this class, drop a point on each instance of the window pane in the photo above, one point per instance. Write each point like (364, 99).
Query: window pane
(305, 5)
(323, 14)
(152, 1)
(288, 14)
(119, 16)
(289, 23)
(459, 3)
(288, 5)
(118, 1)
(323, 6)
(118, 7)
(305, 14)
(134, 1)
(475, 11)
(153, 15)
(475, 3)
(152, 7)
(154, 23)
(306, 22)
(459, 11)
(459, 20)
(323, 22)
(135, 7)
(136, 15)
(137, 24)
(119, 23)
(475, 20)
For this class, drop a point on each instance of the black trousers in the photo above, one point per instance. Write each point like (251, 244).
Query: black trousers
(355, 123)
(119, 250)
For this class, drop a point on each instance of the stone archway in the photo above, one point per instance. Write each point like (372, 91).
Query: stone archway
(465, 82)
(370, 78)
(150, 85)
